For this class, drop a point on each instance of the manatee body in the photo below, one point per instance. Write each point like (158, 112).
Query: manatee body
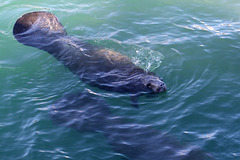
(99, 67)
(89, 113)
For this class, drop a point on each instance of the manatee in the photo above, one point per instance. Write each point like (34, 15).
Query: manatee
(98, 67)
(86, 112)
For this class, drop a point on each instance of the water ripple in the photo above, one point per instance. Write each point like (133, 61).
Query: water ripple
(193, 46)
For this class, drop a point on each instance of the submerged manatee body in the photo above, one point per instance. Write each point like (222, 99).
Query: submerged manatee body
(103, 68)
(86, 112)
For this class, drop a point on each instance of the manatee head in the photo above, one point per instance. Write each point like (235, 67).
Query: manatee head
(37, 27)
(155, 84)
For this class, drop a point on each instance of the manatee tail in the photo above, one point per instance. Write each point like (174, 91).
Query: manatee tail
(37, 23)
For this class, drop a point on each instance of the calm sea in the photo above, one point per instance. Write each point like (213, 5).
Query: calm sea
(193, 45)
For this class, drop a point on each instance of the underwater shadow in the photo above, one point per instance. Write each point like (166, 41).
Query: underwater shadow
(89, 113)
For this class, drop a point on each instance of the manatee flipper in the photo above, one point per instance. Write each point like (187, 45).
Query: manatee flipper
(134, 101)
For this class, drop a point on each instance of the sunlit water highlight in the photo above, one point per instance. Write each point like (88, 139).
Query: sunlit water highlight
(193, 45)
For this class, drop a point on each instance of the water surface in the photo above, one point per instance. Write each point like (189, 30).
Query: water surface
(193, 45)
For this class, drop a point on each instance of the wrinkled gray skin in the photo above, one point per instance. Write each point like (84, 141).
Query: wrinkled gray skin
(86, 112)
(102, 68)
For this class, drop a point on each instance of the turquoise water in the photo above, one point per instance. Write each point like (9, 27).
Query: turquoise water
(194, 46)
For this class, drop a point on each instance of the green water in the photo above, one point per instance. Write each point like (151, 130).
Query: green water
(193, 45)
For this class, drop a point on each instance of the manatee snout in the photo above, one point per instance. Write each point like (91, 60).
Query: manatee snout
(157, 86)
(154, 83)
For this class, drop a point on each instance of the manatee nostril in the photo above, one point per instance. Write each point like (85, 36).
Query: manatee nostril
(149, 85)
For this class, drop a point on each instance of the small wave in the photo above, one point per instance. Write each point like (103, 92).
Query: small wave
(144, 57)
(3, 32)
